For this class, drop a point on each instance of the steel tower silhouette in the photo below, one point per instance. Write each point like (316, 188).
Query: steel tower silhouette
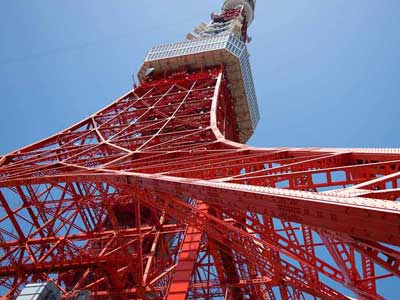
(156, 197)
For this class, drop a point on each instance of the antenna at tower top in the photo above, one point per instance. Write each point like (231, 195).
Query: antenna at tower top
(249, 7)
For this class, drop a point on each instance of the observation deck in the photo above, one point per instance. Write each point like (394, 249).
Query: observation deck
(226, 49)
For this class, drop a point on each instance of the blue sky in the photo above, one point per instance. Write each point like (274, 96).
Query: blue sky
(327, 73)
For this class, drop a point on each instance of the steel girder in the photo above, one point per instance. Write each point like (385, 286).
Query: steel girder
(153, 198)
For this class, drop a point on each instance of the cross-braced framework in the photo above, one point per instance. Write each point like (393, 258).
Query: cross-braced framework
(153, 198)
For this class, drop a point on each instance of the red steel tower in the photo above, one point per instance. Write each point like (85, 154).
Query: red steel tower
(156, 197)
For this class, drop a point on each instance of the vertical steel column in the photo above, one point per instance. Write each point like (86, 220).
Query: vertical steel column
(180, 281)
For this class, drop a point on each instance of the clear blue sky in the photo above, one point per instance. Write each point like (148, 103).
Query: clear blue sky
(327, 73)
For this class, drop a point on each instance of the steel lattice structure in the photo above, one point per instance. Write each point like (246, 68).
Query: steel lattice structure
(153, 197)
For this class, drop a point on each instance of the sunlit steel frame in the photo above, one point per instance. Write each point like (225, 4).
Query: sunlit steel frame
(153, 198)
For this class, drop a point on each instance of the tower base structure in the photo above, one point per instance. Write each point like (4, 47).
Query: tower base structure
(154, 198)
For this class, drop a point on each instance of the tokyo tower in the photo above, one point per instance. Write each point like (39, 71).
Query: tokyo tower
(156, 196)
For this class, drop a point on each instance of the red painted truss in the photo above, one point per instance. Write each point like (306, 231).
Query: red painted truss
(153, 198)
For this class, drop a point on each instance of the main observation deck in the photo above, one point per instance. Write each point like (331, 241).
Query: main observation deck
(226, 49)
